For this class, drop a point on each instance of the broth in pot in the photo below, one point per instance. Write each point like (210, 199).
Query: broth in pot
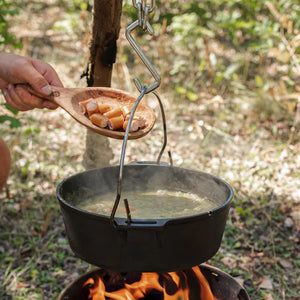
(158, 204)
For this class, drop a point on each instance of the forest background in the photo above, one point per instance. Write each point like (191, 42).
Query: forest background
(231, 88)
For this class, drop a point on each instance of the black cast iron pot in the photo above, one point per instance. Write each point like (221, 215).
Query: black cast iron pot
(150, 245)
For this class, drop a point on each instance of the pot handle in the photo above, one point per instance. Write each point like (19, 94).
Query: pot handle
(119, 187)
(157, 224)
(147, 163)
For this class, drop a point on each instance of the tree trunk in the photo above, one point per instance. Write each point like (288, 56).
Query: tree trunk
(103, 50)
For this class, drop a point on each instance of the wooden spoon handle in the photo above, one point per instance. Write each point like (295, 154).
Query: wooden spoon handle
(29, 89)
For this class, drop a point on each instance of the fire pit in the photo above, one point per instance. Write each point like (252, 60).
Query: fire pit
(204, 282)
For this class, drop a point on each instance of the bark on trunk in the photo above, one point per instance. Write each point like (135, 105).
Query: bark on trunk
(103, 50)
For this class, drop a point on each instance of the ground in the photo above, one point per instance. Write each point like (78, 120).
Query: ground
(220, 135)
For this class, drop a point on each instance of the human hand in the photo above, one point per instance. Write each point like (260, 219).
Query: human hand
(38, 74)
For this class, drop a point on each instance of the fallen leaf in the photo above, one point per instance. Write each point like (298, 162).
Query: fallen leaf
(228, 261)
(288, 222)
(268, 297)
(285, 263)
(291, 106)
(267, 283)
(20, 285)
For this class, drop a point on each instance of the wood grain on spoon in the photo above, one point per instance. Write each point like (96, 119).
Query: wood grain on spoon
(69, 98)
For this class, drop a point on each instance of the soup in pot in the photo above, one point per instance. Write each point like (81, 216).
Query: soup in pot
(149, 205)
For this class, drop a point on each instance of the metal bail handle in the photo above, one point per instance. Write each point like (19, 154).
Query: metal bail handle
(143, 22)
(119, 187)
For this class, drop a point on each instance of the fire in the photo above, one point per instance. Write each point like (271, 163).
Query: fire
(167, 286)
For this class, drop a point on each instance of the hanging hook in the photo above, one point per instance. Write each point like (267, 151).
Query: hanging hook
(144, 59)
(144, 11)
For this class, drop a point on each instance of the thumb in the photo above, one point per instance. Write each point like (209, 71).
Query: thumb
(38, 81)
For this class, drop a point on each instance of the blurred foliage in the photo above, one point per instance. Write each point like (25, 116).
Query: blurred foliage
(7, 8)
(14, 122)
(76, 5)
(218, 47)
(75, 18)
(228, 47)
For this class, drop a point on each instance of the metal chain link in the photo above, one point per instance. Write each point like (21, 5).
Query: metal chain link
(144, 2)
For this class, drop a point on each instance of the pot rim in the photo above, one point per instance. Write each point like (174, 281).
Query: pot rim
(161, 221)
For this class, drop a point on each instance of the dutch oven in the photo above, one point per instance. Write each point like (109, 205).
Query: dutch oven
(150, 245)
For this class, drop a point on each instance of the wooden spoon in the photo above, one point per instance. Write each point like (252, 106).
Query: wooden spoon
(69, 98)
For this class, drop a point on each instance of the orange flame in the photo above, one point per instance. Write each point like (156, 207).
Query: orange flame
(152, 281)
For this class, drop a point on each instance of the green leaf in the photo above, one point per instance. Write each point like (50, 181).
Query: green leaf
(242, 24)
(202, 65)
(180, 90)
(290, 82)
(237, 245)
(240, 210)
(83, 6)
(258, 80)
(206, 31)
(192, 96)
(11, 109)
(12, 12)
(14, 123)
(9, 258)
(218, 78)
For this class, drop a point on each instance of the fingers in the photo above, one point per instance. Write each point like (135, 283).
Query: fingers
(40, 76)
(47, 72)
(33, 101)
(37, 81)
(21, 95)
(20, 99)
(14, 101)
(49, 104)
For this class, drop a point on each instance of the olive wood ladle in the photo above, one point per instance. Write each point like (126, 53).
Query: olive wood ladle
(69, 98)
